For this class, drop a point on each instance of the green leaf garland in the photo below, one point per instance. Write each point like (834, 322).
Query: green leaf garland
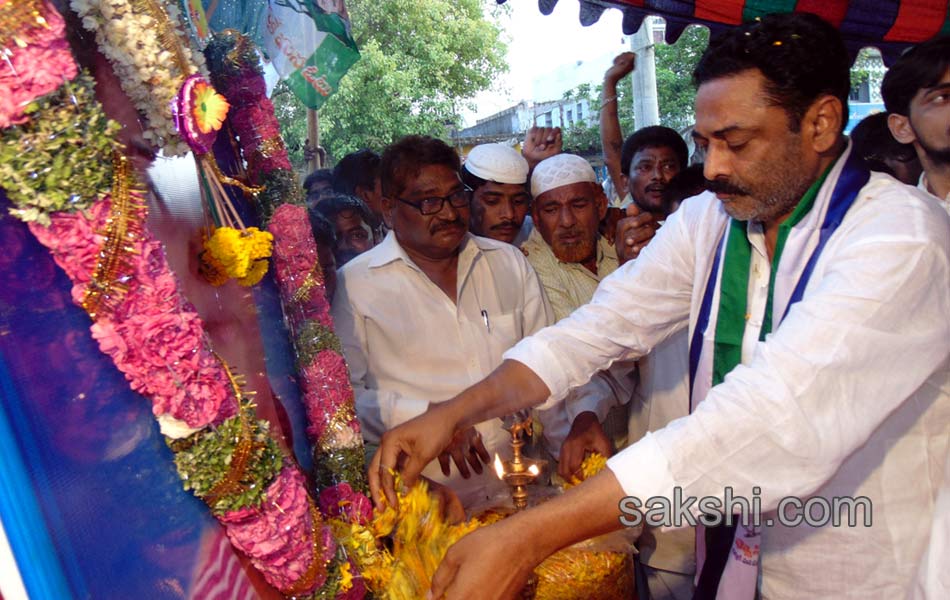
(204, 459)
(54, 162)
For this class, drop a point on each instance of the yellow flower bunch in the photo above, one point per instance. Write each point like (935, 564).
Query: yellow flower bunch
(420, 539)
(346, 578)
(241, 255)
(592, 465)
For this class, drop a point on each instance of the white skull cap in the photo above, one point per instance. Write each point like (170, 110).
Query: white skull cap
(560, 170)
(498, 163)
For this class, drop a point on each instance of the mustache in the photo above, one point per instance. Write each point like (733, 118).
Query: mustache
(447, 225)
(723, 186)
(505, 225)
(570, 231)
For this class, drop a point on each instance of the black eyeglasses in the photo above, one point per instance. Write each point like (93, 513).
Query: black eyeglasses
(434, 204)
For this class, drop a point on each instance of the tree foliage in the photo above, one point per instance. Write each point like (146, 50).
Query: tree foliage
(674, 67)
(420, 60)
(674, 76)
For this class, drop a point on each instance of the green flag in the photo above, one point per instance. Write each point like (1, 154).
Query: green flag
(308, 41)
(310, 46)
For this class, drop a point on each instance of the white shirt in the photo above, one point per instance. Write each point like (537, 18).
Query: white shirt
(662, 396)
(407, 344)
(923, 185)
(850, 396)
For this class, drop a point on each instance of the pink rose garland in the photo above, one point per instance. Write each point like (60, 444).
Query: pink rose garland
(156, 338)
(29, 73)
(157, 341)
(325, 384)
(279, 532)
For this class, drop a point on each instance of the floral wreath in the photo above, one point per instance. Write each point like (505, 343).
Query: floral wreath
(92, 220)
(69, 181)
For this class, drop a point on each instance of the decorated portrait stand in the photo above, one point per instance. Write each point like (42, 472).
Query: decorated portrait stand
(177, 415)
(96, 318)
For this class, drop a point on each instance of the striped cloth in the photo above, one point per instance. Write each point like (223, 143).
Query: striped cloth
(889, 25)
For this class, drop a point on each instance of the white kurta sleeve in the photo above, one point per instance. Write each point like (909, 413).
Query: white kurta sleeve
(636, 307)
(870, 330)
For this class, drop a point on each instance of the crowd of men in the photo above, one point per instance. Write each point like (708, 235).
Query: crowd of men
(776, 318)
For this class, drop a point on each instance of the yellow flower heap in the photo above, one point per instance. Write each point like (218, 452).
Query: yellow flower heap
(580, 573)
(420, 538)
(592, 465)
(241, 255)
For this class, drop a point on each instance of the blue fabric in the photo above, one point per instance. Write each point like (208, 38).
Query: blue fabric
(101, 476)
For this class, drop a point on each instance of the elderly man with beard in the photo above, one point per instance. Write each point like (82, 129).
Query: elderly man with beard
(571, 259)
(916, 93)
(815, 293)
(565, 248)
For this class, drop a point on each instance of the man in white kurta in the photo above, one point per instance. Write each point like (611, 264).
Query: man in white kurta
(842, 385)
(850, 397)
(408, 345)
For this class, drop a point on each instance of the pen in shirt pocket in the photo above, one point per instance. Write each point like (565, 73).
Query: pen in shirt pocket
(487, 322)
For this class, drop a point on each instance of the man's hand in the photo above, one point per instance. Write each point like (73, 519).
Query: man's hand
(466, 446)
(491, 563)
(449, 504)
(541, 143)
(586, 436)
(408, 448)
(634, 232)
(624, 64)
(608, 225)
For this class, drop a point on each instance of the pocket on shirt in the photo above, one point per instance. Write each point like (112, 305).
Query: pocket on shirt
(501, 333)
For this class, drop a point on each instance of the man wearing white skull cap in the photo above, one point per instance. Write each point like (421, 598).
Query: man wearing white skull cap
(571, 257)
(497, 176)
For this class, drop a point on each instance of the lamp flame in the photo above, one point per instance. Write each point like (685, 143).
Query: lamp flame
(534, 470)
(499, 467)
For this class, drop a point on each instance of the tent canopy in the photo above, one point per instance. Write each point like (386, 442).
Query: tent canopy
(889, 25)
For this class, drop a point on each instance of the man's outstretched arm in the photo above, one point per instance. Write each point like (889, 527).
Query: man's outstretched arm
(494, 562)
(411, 446)
(611, 137)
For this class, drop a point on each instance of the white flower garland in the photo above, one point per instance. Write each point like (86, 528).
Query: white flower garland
(130, 36)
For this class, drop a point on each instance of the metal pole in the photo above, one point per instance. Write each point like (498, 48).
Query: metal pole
(646, 109)
(313, 134)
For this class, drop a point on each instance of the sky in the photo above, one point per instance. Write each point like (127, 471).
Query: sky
(539, 45)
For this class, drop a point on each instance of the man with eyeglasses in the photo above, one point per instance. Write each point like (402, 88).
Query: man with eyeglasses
(432, 308)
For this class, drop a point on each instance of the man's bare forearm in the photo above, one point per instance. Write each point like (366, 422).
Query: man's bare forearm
(611, 137)
(510, 388)
(591, 508)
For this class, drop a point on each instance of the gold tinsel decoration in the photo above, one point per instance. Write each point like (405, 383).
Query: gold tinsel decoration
(123, 228)
(18, 18)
